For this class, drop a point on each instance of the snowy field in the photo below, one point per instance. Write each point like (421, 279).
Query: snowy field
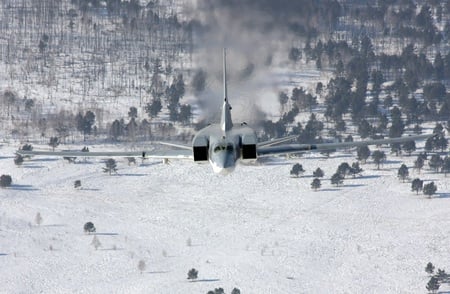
(258, 229)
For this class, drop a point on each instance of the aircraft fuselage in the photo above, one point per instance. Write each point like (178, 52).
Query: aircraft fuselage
(224, 148)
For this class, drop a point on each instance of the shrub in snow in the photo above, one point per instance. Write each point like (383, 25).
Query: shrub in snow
(89, 227)
(192, 274)
(315, 184)
(5, 181)
(429, 268)
(96, 242)
(38, 219)
(18, 160)
(141, 266)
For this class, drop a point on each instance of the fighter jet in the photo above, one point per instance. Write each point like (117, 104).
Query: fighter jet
(225, 144)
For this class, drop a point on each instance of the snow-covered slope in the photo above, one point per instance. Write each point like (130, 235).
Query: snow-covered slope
(258, 229)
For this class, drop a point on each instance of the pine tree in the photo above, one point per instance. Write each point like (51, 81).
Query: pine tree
(192, 274)
(110, 166)
(446, 165)
(429, 189)
(297, 169)
(363, 152)
(355, 169)
(18, 160)
(315, 184)
(378, 157)
(417, 185)
(54, 142)
(318, 173)
(89, 228)
(337, 179)
(435, 162)
(441, 275)
(409, 147)
(418, 164)
(343, 169)
(433, 285)
(429, 268)
(403, 172)
(5, 181)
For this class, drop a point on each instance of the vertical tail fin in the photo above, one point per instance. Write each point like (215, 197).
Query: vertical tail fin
(225, 121)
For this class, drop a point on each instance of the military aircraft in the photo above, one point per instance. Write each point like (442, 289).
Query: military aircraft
(224, 144)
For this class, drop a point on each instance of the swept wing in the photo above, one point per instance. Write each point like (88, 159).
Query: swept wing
(298, 148)
(163, 154)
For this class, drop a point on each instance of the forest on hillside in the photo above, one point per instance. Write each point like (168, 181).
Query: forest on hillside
(122, 70)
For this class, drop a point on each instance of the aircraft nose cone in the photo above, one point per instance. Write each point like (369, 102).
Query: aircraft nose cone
(223, 163)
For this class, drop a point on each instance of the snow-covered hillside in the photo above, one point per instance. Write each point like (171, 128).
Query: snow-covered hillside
(258, 229)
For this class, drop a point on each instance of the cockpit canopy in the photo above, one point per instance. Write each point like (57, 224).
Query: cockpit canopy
(222, 147)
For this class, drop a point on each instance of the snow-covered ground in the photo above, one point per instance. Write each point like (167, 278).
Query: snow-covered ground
(258, 229)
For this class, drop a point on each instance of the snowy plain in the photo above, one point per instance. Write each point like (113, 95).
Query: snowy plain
(258, 229)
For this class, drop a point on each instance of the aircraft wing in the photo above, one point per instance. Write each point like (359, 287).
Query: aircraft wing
(163, 154)
(277, 141)
(298, 148)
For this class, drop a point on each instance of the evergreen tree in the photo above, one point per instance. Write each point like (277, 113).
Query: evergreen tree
(337, 179)
(236, 291)
(417, 185)
(355, 169)
(5, 181)
(343, 169)
(409, 147)
(362, 153)
(318, 173)
(436, 162)
(429, 268)
(378, 157)
(315, 184)
(364, 129)
(18, 160)
(397, 126)
(89, 228)
(403, 172)
(441, 275)
(54, 142)
(418, 163)
(433, 285)
(446, 165)
(192, 274)
(133, 112)
(429, 189)
(153, 108)
(110, 166)
(116, 130)
(297, 169)
(185, 114)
